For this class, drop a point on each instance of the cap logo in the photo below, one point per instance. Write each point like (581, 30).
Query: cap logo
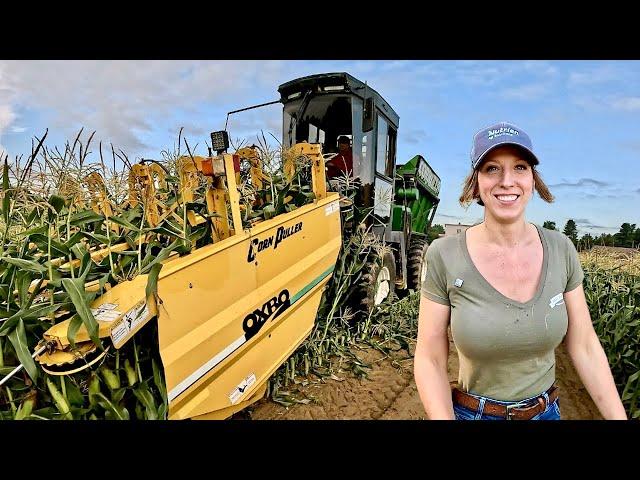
(501, 131)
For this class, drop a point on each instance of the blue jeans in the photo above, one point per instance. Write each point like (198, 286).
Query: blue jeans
(552, 412)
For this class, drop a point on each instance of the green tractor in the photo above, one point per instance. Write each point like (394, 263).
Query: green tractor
(403, 198)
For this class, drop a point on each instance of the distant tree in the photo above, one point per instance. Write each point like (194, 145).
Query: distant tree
(434, 231)
(571, 231)
(605, 239)
(625, 237)
(586, 242)
(549, 224)
(636, 238)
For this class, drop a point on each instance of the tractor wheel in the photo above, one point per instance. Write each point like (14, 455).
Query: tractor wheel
(378, 281)
(417, 263)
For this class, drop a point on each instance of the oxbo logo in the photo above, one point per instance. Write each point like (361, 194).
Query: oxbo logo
(253, 322)
(258, 245)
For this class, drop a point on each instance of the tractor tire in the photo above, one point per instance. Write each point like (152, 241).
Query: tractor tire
(417, 263)
(377, 283)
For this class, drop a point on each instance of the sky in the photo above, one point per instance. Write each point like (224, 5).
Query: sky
(583, 117)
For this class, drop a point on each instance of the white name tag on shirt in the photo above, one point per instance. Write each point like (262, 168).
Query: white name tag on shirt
(556, 300)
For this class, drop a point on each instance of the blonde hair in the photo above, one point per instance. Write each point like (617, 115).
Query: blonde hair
(471, 192)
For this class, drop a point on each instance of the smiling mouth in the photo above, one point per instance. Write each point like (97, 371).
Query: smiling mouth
(507, 198)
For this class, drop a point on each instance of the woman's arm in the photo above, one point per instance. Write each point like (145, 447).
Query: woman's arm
(430, 360)
(588, 357)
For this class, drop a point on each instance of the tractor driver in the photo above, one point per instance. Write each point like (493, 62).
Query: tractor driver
(342, 163)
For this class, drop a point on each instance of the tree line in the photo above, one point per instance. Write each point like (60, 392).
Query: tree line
(627, 236)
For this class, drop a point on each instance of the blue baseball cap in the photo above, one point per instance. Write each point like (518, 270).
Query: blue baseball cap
(502, 133)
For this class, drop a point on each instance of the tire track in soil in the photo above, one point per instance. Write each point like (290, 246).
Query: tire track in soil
(349, 397)
(389, 392)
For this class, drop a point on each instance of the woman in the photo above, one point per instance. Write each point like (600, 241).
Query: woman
(512, 291)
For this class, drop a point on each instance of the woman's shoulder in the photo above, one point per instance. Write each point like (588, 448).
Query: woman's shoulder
(554, 237)
(447, 243)
(444, 249)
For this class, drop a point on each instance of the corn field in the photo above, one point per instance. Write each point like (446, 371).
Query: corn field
(612, 289)
(71, 229)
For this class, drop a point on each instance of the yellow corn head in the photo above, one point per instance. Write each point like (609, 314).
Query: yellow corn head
(229, 313)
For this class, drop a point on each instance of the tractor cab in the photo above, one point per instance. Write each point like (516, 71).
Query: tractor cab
(324, 109)
(327, 107)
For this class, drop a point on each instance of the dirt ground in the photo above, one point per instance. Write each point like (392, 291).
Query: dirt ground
(389, 393)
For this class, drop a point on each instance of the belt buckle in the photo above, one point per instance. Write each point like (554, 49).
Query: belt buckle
(510, 407)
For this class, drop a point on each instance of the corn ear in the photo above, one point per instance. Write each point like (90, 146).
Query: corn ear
(25, 408)
(132, 376)
(110, 378)
(59, 400)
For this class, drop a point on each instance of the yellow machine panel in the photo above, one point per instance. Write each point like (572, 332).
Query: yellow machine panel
(229, 313)
(226, 326)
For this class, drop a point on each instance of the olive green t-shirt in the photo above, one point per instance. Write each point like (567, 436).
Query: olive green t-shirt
(505, 347)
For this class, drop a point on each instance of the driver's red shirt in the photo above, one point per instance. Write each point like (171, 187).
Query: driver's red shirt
(340, 164)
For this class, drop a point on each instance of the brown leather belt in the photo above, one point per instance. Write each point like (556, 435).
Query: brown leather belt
(520, 411)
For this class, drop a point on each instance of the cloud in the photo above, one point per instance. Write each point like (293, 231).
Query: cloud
(124, 101)
(587, 102)
(593, 196)
(583, 182)
(638, 190)
(540, 68)
(414, 136)
(7, 116)
(364, 67)
(586, 223)
(631, 145)
(444, 215)
(532, 91)
(394, 65)
(627, 104)
(623, 104)
(484, 73)
(593, 76)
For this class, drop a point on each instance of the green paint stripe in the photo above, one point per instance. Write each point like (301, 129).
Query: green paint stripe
(302, 292)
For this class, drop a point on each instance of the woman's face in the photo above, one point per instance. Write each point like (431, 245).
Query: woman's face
(505, 183)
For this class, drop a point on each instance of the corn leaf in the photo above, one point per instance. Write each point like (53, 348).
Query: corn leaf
(32, 313)
(152, 280)
(8, 193)
(74, 395)
(118, 395)
(22, 264)
(114, 412)
(33, 214)
(57, 249)
(18, 339)
(99, 238)
(268, 212)
(75, 288)
(72, 330)
(56, 202)
(23, 280)
(36, 230)
(73, 239)
(86, 216)
(145, 397)
(125, 223)
(162, 256)
(164, 230)
(9, 324)
(158, 380)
